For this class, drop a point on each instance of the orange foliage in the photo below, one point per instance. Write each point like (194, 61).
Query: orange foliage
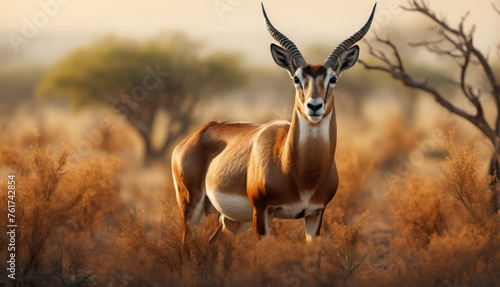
(74, 230)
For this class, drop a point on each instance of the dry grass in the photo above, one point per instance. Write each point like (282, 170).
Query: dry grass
(74, 231)
(445, 232)
(352, 197)
(418, 207)
(57, 215)
(464, 181)
(397, 141)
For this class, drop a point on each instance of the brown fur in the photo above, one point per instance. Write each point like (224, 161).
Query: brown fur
(264, 162)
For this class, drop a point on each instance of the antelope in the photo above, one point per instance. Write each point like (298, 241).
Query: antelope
(282, 169)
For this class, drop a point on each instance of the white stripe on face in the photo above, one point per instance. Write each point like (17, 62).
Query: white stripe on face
(329, 74)
(299, 75)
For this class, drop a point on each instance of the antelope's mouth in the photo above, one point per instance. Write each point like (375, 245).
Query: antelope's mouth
(314, 118)
(315, 110)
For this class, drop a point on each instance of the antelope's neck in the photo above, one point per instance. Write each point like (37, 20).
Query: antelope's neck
(310, 148)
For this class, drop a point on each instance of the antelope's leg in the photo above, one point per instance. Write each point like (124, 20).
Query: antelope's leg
(226, 224)
(313, 224)
(219, 228)
(191, 206)
(262, 220)
(235, 227)
(269, 221)
(181, 195)
(259, 222)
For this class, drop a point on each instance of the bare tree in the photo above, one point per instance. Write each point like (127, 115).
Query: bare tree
(457, 44)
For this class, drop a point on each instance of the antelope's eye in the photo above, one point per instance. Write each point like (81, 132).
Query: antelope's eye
(296, 80)
(333, 80)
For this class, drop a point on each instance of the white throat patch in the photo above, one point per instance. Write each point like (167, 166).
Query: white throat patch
(320, 131)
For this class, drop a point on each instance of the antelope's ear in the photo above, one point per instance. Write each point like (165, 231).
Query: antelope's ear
(347, 60)
(283, 59)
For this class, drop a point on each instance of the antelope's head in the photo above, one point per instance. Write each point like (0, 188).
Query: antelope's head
(314, 83)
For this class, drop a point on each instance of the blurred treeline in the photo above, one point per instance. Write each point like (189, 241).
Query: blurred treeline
(164, 87)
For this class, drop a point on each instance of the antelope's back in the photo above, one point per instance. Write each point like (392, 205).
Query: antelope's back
(221, 147)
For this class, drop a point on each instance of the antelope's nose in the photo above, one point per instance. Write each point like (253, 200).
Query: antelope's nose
(315, 107)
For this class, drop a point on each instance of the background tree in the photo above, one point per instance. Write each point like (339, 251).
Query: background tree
(141, 79)
(457, 44)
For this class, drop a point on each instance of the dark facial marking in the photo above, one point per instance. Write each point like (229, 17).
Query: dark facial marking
(314, 70)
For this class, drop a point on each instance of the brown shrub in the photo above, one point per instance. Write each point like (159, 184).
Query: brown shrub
(351, 197)
(418, 209)
(50, 197)
(283, 259)
(458, 257)
(465, 182)
(445, 232)
(11, 158)
(165, 260)
(346, 254)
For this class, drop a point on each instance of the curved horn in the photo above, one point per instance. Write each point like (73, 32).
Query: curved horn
(284, 42)
(342, 47)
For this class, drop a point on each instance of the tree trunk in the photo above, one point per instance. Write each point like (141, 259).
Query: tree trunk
(494, 171)
(145, 130)
(151, 154)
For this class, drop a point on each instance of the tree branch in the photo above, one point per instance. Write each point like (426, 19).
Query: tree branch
(495, 8)
(421, 7)
(397, 71)
(467, 89)
(463, 44)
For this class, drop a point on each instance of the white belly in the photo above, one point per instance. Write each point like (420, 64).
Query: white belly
(238, 207)
(233, 206)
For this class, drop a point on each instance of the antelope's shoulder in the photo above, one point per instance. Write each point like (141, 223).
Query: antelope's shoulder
(272, 132)
(270, 138)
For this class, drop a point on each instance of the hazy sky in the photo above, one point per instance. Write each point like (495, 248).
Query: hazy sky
(235, 24)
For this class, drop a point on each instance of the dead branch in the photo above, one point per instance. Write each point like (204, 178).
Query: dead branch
(495, 8)
(396, 69)
(454, 43)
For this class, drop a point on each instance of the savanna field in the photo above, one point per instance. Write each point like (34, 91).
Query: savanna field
(87, 196)
(76, 227)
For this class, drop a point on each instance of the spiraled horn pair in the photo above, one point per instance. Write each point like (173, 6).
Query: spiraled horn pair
(334, 56)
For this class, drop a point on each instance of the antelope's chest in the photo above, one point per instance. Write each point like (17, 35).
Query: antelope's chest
(311, 134)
